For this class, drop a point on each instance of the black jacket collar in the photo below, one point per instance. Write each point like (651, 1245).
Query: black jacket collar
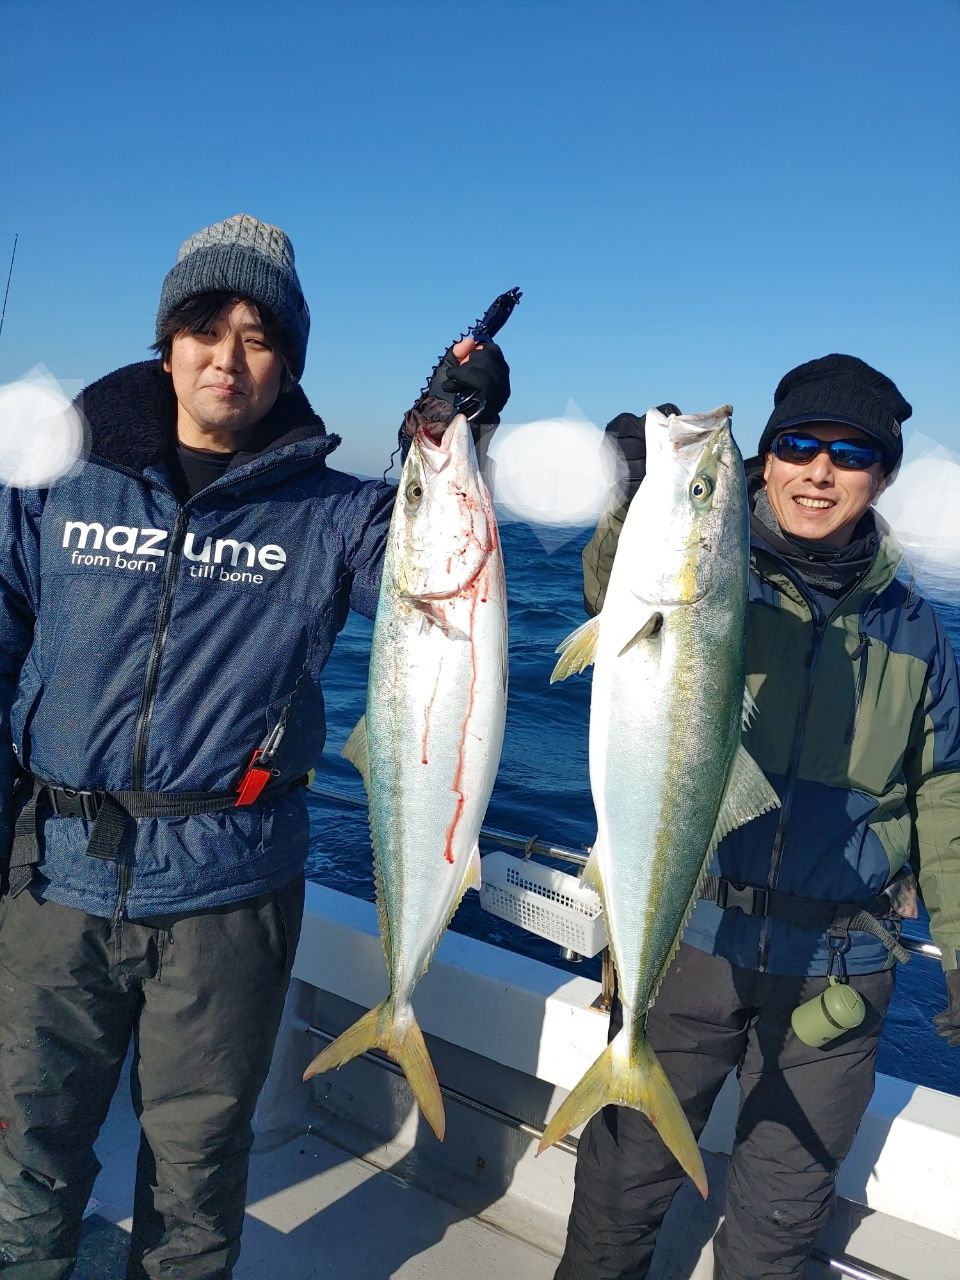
(131, 415)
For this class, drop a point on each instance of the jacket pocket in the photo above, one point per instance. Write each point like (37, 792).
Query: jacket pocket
(298, 723)
(22, 712)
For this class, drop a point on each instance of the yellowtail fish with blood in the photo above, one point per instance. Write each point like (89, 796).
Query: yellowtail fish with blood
(429, 745)
(668, 773)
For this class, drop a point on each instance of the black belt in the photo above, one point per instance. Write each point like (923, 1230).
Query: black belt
(109, 811)
(807, 913)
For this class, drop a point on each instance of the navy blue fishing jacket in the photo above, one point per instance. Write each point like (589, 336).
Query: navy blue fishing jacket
(150, 645)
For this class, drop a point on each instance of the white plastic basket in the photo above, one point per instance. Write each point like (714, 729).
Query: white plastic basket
(543, 901)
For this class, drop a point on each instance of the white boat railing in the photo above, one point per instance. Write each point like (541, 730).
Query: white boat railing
(547, 1033)
(531, 846)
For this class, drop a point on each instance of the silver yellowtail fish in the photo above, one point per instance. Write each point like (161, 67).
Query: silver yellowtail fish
(429, 745)
(667, 771)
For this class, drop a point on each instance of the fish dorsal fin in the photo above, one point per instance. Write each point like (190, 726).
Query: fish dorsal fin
(749, 709)
(577, 651)
(747, 795)
(649, 629)
(357, 751)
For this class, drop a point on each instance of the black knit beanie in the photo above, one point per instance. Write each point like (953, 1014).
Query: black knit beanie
(251, 258)
(841, 389)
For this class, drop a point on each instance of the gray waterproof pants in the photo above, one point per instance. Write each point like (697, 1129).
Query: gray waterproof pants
(799, 1113)
(201, 996)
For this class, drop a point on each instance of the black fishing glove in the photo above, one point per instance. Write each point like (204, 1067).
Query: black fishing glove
(485, 373)
(628, 433)
(948, 1023)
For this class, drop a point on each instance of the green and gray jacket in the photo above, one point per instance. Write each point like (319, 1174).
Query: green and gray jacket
(858, 730)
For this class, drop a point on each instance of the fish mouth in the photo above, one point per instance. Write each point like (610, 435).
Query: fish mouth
(439, 446)
(680, 437)
(687, 427)
(432, 453)
(697, 430)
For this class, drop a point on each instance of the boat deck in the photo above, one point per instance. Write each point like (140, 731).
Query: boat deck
(315, 1211)
(345, 1182)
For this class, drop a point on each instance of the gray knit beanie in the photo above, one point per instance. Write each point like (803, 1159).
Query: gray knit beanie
(250, 258)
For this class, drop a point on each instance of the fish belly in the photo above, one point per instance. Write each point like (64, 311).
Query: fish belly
(435, 716)
(662, 734)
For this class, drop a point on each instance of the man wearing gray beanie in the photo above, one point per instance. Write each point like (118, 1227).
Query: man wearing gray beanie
(166, 612)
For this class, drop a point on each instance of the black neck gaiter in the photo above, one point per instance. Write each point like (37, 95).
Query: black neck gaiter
(833, 570)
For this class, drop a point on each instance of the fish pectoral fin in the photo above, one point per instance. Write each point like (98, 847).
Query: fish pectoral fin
(747, 795)
(590, 875)
(636, 1080)
(400, 1038)
(649, 629)
(357, 751)
(577, 651)
(472, 879)
(432, 617)
(749, 709)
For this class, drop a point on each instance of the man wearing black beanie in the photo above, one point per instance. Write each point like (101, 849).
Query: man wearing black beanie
(858, 731)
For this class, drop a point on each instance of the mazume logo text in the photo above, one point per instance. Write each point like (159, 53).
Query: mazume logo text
(141, 550)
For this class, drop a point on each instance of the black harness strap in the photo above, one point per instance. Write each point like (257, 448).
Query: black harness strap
(116, 808)
(110, 812)
(25, 850)
(807, 913)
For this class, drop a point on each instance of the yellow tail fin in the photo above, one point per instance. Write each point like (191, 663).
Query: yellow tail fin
(400, 1038)
(639, 1082)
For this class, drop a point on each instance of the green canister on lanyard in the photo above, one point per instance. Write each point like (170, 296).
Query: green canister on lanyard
(834, 1011)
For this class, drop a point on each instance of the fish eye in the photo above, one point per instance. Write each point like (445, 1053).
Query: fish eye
(414, 492)
(701, 488)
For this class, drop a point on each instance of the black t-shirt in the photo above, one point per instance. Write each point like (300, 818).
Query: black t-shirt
(194, 469)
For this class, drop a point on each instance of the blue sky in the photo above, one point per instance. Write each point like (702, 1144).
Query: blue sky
(693, 196)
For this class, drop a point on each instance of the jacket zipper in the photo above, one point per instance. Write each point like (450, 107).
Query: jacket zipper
(776, 856)
(160, 635)
(860, 654)
(152, 675)
(156, 652)
(820, 624)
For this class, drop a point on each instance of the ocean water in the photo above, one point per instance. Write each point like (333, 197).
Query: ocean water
(542, 787)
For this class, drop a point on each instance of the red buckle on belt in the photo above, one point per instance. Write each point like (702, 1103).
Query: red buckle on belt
(257, 774)
(253, 781)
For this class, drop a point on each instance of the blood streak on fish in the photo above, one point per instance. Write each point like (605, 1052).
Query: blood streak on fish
(438, 683)
(457, 783)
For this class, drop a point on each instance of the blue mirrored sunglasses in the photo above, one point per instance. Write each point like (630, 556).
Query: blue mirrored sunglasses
(848, 455)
